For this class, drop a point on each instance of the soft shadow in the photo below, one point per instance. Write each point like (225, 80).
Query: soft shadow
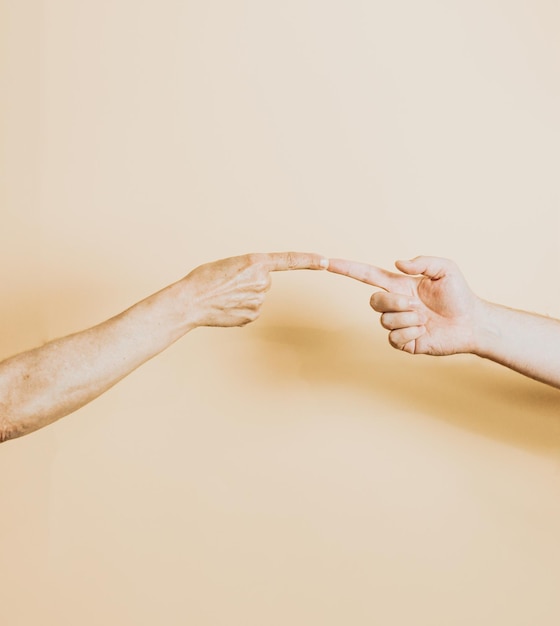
(469, 393)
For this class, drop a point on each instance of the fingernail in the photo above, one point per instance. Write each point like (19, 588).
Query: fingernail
(414, 302)
(324, 263)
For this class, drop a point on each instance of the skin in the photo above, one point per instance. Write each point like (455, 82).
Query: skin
(429, 309)
(42, 385)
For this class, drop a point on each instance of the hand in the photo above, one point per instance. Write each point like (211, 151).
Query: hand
(230, 292)
(428, 310)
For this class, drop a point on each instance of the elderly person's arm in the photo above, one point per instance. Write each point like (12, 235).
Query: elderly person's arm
(430, 309)
(42, 385)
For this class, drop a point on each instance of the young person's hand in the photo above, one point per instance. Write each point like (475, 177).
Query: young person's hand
(430, 309)
(427, 309)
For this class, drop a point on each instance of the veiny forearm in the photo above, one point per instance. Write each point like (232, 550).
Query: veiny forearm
(42, 385)
(525, 342)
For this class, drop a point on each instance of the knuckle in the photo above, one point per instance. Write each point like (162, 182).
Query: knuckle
(291, 260)
(5, 434)
(254, 258)
(401, 303)
(392, 340)
(404, 335)
(411, 333)
(247, 318)
(262, 283)
(402, 320)
(410, 319)
(447, 265)
(376, 301)
(8, 430)
(385, 321)
(255, 304)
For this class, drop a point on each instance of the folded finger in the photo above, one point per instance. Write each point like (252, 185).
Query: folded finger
(383, 302)
(394, 321)
(401, 337)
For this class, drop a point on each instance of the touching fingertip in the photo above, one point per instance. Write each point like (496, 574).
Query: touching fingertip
(324, 263)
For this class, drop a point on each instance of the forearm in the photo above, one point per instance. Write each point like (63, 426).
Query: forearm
(525, 342)
(42, 385)
(47, 383)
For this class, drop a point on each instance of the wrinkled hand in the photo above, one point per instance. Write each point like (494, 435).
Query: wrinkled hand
(429, 309)
(230, 292)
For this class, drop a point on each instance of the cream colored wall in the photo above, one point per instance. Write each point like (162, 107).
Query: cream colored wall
(298, 471)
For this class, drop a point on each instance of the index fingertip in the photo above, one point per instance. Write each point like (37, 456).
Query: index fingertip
(279, 261)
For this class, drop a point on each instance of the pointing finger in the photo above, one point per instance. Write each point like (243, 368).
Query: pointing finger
(369, 274)
(283, 261)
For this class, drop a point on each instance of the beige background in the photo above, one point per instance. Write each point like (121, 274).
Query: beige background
(298, 471)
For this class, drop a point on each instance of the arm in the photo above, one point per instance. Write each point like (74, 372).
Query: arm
(525, 342)
(430, 309)
(42, 385)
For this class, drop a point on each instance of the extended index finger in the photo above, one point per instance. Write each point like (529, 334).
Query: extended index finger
(369, 274)
(282, 261)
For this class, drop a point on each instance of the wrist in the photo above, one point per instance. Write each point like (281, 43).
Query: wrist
(184, 305)
(486, 328)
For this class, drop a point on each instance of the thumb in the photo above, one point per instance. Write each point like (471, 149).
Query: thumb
(430, 266)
